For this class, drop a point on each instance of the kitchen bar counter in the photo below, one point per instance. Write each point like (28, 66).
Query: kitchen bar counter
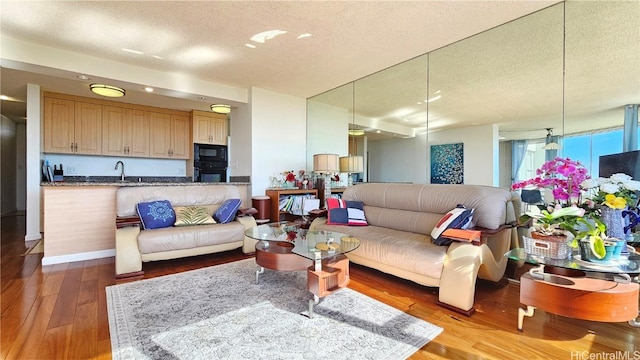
(132, 181)
(80, 216)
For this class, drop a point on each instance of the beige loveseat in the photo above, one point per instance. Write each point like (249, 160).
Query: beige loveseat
(135, 246)
(397, 240)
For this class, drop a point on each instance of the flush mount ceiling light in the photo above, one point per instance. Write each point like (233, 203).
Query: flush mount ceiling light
(221, 108)
(356, 132)
(107, 90)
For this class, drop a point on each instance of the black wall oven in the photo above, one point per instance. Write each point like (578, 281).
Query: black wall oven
(210, 163)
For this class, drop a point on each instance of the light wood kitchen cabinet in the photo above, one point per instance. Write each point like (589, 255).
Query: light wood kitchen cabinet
(169, 136)
(72, 127)
(125, 132)
(209, 128)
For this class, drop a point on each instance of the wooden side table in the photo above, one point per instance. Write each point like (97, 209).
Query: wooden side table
(578, 297)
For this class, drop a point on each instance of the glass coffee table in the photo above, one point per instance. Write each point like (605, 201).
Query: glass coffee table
(285, 246)
(607, 292)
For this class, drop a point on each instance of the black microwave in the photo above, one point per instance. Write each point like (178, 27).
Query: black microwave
(207, 153)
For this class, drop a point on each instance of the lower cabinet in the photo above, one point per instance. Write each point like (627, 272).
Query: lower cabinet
(78, 219)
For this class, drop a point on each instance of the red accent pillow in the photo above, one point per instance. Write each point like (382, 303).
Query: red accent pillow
(344, 212)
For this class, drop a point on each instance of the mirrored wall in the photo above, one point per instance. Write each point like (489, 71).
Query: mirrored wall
(562, 72)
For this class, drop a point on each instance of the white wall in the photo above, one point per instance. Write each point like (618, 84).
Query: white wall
(327, 131)
(278, 136)
(398, 160)
(408, 160)
(86, 165)
(7, 165)
(33, 163)
(240, 141)
(21, 166)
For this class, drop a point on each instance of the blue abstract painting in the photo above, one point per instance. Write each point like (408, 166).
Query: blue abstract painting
(447, 164)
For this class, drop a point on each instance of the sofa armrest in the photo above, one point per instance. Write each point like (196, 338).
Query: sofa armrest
(249, 244)
(128, 259)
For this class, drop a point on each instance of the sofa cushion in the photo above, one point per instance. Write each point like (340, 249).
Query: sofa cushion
(227, 211)
(156, 214)
(189, 237)
(192, 215)
(341, 212)
(458, 218)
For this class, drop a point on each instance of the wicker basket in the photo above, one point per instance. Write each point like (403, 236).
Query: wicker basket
(549, 246)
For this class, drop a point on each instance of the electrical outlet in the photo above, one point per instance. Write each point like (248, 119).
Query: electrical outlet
(71, 170)
(181, 171)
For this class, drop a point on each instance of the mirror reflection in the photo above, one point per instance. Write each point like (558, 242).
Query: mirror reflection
(555, 82)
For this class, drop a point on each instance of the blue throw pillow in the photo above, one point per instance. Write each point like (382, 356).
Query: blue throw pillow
(458, 218)
(227, 211)
(156, 214)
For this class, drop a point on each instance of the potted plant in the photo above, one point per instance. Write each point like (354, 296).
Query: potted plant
(594, 243)
(555, 223)
(610, 197)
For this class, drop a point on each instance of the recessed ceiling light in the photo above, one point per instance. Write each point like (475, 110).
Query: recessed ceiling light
(437, 97)
(266, 35)
(83, 77)
(148, 89)
(137, 52)
(107, 90)
(250, 46)
(305, 35)
(157, 57)
(4, 97)
(356, 132)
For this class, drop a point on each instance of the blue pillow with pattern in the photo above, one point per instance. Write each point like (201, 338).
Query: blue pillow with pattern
(156, 214)
(227, 211)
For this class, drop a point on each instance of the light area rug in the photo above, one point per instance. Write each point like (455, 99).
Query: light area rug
(221, 313)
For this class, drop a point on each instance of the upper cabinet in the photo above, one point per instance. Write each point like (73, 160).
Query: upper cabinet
(209, 128)
(169, 136)
(77, 125)
(72, 127)
(125, 132)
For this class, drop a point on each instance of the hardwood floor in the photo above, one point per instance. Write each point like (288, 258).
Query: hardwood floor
(60, 312)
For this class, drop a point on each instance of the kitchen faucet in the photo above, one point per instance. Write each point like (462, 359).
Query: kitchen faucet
(121, 169)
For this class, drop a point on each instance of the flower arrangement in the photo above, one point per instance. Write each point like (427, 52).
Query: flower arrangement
(286, 177)
(615, 192)
(562, 176)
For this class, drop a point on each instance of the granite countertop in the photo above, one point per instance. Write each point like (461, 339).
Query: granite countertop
(132, 181)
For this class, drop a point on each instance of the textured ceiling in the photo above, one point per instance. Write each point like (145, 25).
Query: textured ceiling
(205, 40)
(511, 75)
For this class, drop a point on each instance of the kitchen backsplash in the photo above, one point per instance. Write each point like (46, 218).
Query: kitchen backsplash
(79, 165)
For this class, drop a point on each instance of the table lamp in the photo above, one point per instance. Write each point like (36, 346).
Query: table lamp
(351, 164)
(326, 164)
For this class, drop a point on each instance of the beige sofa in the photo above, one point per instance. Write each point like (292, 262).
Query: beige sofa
(397, 240)
(135, 246)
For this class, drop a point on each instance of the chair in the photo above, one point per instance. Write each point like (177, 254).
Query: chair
(531, 197)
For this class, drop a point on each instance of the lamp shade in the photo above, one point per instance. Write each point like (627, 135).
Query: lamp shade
(221, 108)
(107, 90)
(352, 164)
(325, 163)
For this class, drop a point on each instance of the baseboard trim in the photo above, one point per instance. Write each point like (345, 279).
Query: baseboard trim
(52, 260)
(31, 237)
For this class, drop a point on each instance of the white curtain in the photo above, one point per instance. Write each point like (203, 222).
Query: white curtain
(518, 151)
